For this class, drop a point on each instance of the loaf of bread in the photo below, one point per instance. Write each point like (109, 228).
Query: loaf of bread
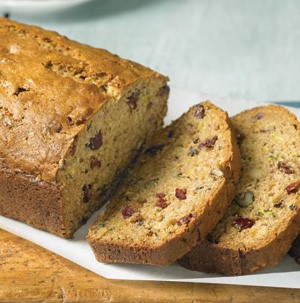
(73, 117)
(175, 194)
(264, 218)
(295, 250)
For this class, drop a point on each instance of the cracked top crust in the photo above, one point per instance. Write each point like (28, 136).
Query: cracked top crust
(49, 87)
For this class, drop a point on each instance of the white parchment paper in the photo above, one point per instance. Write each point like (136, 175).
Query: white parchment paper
(285, 274)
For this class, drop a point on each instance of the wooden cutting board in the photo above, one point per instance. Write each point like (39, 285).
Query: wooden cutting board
(30, 273)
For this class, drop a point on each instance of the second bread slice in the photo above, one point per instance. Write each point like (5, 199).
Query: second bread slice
(260, 225)
(175, 194)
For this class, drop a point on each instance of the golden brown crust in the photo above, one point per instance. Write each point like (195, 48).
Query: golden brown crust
(36, 203)
(50, 88)
(33, 96)
(241, 254)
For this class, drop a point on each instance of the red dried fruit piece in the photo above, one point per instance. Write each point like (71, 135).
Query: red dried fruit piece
(292, 188)
(95, 142)
(127, 212)
(86, 193)
(210, 143)
(199, 111)
(259, 116)
(287, 169)
(132, 100)
(186, 219)
(243, 223)
(164, 91)
(162, 201)
(95, 163)
(180, 193)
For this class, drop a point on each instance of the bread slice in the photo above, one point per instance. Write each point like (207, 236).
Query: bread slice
(264, 218)
(295, 249)
(73, 117)
(175, 194)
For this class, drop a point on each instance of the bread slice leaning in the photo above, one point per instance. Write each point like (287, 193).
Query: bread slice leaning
(263, 220)
(177, 191)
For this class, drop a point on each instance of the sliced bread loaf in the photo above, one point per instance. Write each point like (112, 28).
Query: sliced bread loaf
(72, 118)
(177, 191)
(263, 220)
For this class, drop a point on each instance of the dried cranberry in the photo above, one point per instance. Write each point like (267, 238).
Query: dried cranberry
(160, 195)
(180, 193)
(127, 212)
(154, 149)
(243, 223)
(287, 169)
(95, 142)
(292, 188)
(199, 111)
(210, 143)
(95, 163)
(86, 193)
(186, 219)
(162, 201)
(164, 91)
(132, 100)
(259, 116)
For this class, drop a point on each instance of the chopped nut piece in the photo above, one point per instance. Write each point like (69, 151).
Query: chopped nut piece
(245, 199)
(256, 173)
(216, 172)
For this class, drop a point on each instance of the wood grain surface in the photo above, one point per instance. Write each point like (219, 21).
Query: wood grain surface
(30, 273)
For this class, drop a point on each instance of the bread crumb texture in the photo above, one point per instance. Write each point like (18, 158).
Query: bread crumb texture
(165, 203)
(263, 219)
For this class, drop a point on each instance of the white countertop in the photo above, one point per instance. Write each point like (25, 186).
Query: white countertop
(231, 48)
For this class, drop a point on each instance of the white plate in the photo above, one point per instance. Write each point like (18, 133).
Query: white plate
(37, 6)
(285, 274)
